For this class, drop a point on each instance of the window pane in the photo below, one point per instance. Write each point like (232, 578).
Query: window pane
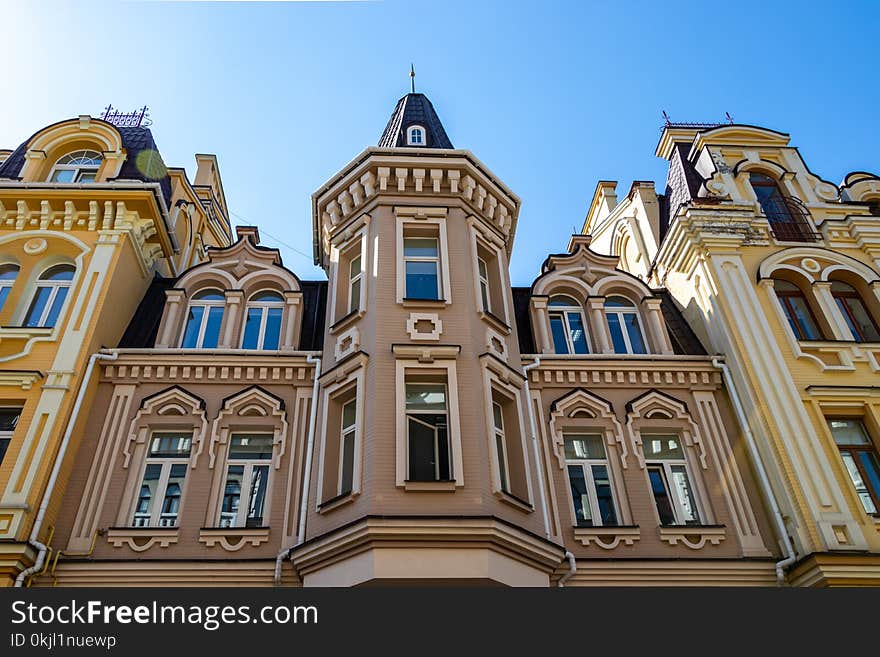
(584, 447)
(662, 447)
(858, 482)
(272, 336)
(354, 303)
(4, 445)
(9, 418)
(171, 502)
(618, 302)
(63, 175)
(682, 486)
(347, 475)
(603, 495)
(661, 496)
(257, 503)
(231, 495)
(858, 319)
(557, 328)
(252, 328)
(38, 305)
(616, 333)
(484, 295)
(4, 292)
(578, 335)
(420, 247)
(147, 494)
(251, 447)
(502, 465)
(266, 296)
(428, 448)
(209, 295)
(8, 272)
(871, 469)
(561, 300)
(421, 280)
(579, 495)
(801, 319)
(498, 416)
(349, 414)
(170, 445)
(354, 268)
(57, 304)
(87, 176)
(635, 333)
(484, 271)
(426, 396)
(212, 329)
(849, 432)
(58, 273)
(193, 324)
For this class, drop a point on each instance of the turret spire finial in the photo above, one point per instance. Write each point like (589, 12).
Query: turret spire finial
(412, 78)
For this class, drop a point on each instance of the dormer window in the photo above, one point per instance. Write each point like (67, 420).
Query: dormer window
(203, 321)
(77, 167)
(624, 326)
(415, 136)
(262, 328)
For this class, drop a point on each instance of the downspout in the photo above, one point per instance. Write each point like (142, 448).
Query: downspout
(534, 429)
(572, 569)
(65, 441)
(304, 501)
(762, 473)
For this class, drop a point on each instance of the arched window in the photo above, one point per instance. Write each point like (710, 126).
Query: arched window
(769, 197)
(76, 167)
(860, 322)
(567, 326)
(415, 136)
(262, 328)
(203, 320)
(8, 274)
(797, 310)
(625, 326)
(787, 217)
(52, 288)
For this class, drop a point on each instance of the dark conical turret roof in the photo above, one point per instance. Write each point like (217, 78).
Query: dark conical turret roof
(414, 109)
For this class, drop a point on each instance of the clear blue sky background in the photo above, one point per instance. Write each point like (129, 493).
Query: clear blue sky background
(552, 96)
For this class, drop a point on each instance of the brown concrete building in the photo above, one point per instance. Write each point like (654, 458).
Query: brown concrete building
(415, 419)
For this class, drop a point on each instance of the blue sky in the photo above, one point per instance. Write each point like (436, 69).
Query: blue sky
(552, 96)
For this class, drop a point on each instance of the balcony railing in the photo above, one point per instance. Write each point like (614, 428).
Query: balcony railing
(789, 220)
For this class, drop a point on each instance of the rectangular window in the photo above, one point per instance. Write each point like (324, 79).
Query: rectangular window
(355, 276)
(670, 483)
(860, 459)
(8, 422)
(427, 432)
(159, 497)
(421, 257)
(500, 445)
(483, 273)
(346, 447)
(590, 480)
(247, 481)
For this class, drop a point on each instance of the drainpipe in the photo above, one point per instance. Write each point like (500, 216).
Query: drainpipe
(304, 502)
(762, 473)
(572, 569)
(534, 429)
(65, 441)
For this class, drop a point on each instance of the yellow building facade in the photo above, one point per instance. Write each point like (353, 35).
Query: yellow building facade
(89, 214)
(776, 269)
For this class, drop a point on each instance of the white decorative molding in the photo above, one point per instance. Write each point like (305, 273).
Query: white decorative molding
(496, 344)
(415, 320)
(142, 539)
(243, 408)
(696, 538)
(347, 343)
(232, 539)
(607, 538)
(35, 246)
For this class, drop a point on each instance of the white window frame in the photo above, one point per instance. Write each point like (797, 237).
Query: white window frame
(357, 242)
(246, 481)
(7, 435)
(354, 305)
(414, 415)
(410, 132)
(155, 519)
(54, 286)
(434, 259)
(563, 311)
(671, 490)
(483, 239)
(263, 307)
(78, 169)
(436, 224)
(621, 311)
(446, 368)
(503, 465)
(347, 432)
(207, 304)
(586, 466)
(485, 291)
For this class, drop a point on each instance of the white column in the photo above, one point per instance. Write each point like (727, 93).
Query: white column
(654, 316)
(596, 307)
(234, 301)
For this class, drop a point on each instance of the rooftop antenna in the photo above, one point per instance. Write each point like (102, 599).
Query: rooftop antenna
(412, 78)
(666, 118)
(729, 118)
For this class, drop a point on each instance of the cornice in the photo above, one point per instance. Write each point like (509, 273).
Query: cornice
(691, 372)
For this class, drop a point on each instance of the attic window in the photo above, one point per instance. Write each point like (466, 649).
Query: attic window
(415, 136)
(77, 167)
